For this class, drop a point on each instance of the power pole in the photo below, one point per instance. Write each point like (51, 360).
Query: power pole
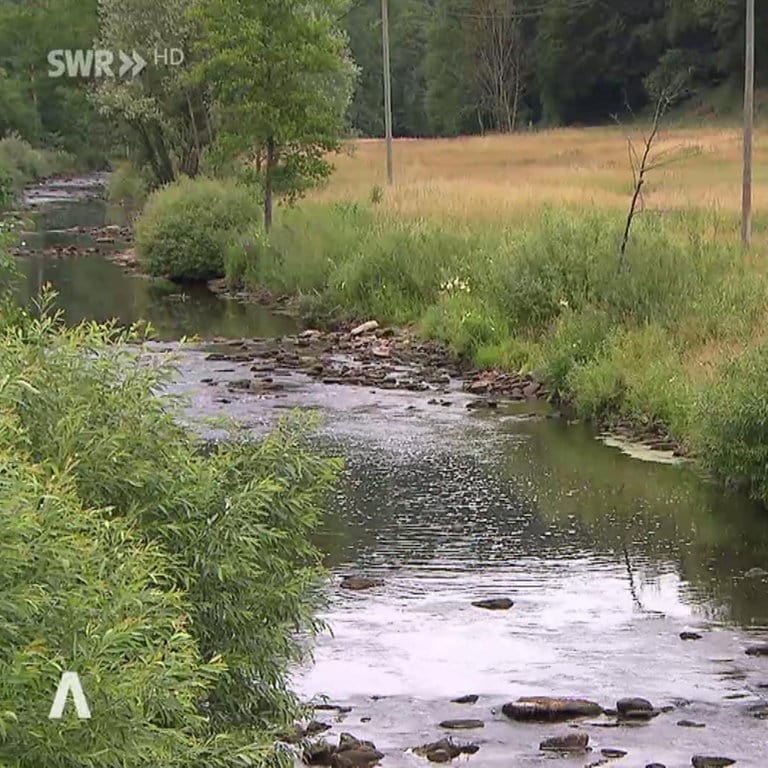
(387, 86)
(749, 120)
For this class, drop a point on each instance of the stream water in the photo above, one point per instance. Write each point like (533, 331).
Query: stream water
(607, 558)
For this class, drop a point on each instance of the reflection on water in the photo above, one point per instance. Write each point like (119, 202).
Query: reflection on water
(92, 288)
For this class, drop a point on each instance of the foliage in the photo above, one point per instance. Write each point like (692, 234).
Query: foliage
(733, 438)
(24, 164)
(282, 77)
(167, 118)
(177, 581)
(128, 185)
(184, 228)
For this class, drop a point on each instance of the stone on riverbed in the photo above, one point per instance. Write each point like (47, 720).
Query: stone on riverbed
(635, 708)
(358, 583)
(465, 724)
(444, 750)
(371, 325)
(494, 604)
(470, 698)
(701, 761)
(613, 754)
(690, 636)
(572, 742)
(758, 650)
(547, 708)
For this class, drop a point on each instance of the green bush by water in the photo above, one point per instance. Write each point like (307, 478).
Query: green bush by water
(176, 579)
(128, 186)
(25, 163)
(185, 228)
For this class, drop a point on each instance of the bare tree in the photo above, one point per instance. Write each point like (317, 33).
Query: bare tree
(643, 162)
(500, 59)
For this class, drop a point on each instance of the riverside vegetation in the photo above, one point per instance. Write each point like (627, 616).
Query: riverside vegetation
(176, 578)
(673, 340)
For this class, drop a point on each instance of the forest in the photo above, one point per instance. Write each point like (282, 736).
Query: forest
(458, 66)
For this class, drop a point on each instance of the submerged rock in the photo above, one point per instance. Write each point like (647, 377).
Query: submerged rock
(359, 583)
(690, 724)
(494, 604)
(466, 724)
(613, 754)
(756, 573)
(572, 742)
(470, 698)
(690, 636)
(758, 650)
(547, 708)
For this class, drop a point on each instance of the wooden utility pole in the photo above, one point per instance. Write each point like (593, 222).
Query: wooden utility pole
(749, 119)
(387, 86)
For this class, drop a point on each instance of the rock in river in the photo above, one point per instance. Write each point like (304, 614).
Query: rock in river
(358, 583)
(371, 325)
(494, 604)
(548, 708)
(690, 636)
(635, 708)
(572, 742)
(701, 761)
(758, 650)
(444, 750)
(470, 698)
(460, 725)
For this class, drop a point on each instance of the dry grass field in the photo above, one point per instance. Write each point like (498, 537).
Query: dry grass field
(506, 178)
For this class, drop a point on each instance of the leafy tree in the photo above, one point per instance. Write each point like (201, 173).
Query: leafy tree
(283, 80)
(169, 117)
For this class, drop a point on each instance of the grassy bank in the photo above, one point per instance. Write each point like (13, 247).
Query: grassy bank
(506, 249)
(21, 164)
(673, 340)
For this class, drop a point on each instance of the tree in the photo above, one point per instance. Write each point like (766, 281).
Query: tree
(169, 117)
(283, 80)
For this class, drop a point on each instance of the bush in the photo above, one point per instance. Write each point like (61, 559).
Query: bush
(27, 164)
(733, 437)
(185, 227)
(7, 188)
(119, 522)
(128, 186)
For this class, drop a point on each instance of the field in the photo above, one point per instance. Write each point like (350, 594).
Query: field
(505, 178)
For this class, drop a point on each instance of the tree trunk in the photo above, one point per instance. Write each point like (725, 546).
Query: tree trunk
(268, 169)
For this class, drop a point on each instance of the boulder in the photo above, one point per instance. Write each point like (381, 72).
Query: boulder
(758, 650)
(690, 636)
(494, 604)
(701, 761)
(690, 724)
(550, 709)
(571, 742)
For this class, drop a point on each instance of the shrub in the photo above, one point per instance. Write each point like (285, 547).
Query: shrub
(7, 188)
(733, 436)
(128, 186)
(185, 227)
(26, 163)
(220, 536)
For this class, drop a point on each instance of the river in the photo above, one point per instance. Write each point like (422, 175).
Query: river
(607, 558)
